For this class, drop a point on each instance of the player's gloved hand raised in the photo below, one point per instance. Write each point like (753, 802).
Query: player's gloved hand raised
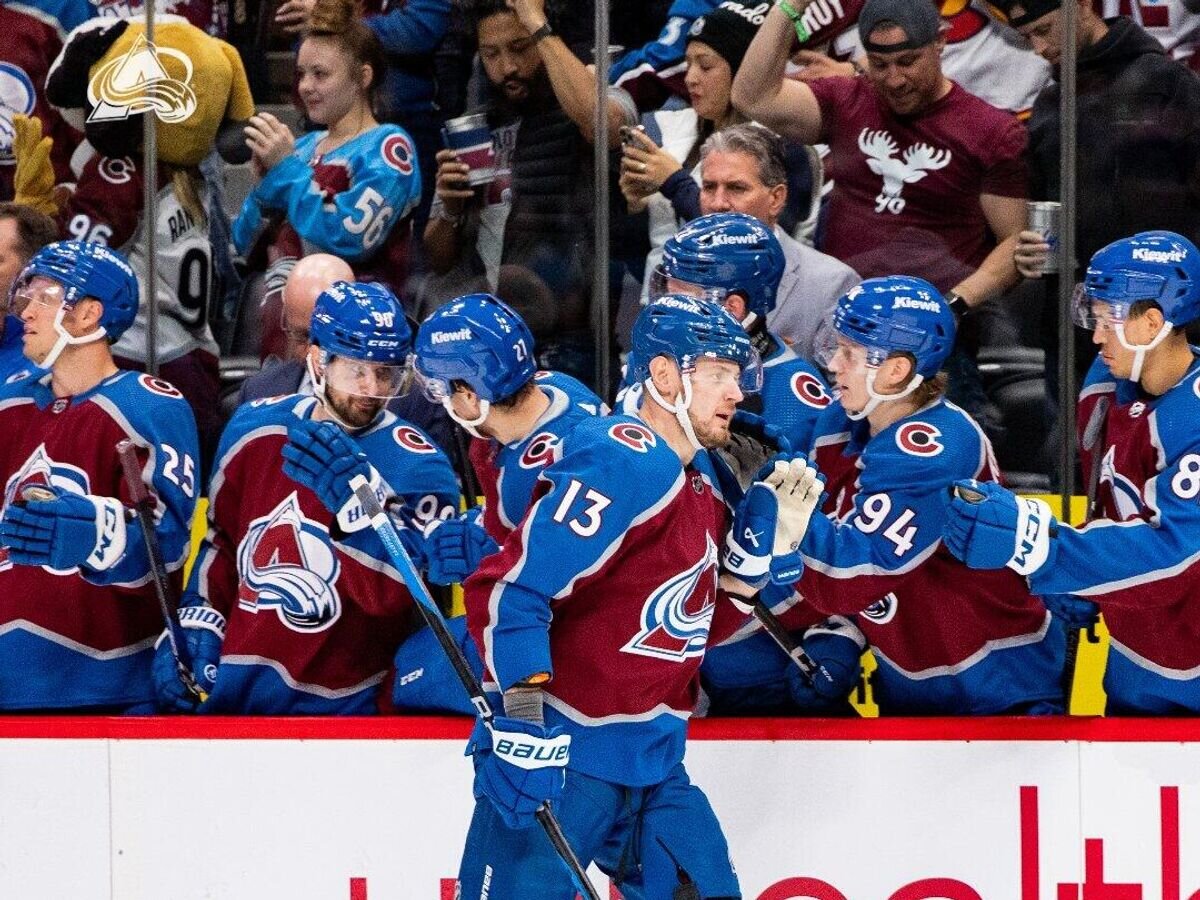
(454, 547)
(754, 425)
(520, 766)
(837, 656)
(1072, 611)
(204, 632)
(323, 458)
(64, 530)
(988, 527)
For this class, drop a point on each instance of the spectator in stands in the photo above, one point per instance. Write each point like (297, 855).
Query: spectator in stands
(23, 232)
(527, 237)
(310, 276)
(743, 170)
(348, 190)
(408, 32)
(1138, 127)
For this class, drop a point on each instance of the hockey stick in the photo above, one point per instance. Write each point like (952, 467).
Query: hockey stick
(433, 618)
(774, 628)
(143, 511)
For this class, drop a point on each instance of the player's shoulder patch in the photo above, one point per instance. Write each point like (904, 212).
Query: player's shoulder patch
(634, 435)
(929, 449)
(540, 450)
(919, 439)
(576, 391)
(809, 389)
(397, 151)
(413, 439)
(159, 387)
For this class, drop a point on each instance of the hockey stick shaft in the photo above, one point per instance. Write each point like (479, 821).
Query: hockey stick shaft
(143, 512)
(774, 628)
(433, 618)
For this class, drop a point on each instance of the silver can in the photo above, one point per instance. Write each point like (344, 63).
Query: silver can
(1045, 217)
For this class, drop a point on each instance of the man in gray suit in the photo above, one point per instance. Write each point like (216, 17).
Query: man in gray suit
(743, 170)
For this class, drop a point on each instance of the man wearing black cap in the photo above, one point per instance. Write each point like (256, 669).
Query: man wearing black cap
(928, 178)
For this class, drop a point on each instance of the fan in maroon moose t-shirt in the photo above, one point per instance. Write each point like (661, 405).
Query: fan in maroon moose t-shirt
(928, 178)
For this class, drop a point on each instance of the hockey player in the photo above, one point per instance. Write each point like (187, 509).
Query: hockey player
(947, 641)
(1138, 560)
(734, 257)
(475, 357)
(79, 613)
(593, 619)
(314, 610)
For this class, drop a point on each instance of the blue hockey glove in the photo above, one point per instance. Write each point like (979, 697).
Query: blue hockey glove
(323, 458)
(836, 647)
(426, 680)
(760, 429)
(521, 766)
(204, 631)
(454, 547)
(1072, 611)
(64, 532)
(988, 527)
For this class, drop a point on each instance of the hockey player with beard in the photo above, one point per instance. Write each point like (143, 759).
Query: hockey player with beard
(1137, 560)
(78, 613)
(292, 607)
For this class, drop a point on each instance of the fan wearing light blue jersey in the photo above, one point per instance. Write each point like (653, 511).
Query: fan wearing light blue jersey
(79, 613)
(293, 607)
(475, 357)
(1138, 560)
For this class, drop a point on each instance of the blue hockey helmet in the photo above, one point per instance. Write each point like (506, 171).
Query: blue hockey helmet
(726, 253)
(84, 270)
(478, 339)
(361, 321)
(898, 314)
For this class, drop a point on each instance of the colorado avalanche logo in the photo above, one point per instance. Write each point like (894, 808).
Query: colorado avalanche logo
(919, 439)
(639, 437)
(398, 153)
(160, 387)
(411, 439)
(1126, 497)
(539, 453)
(677, 615)
(116, 169)
(883, 610)
(39, 470)
(287, 564)
(809, 390)
(16, 96)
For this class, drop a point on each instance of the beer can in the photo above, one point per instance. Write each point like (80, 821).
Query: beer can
(1045, 217)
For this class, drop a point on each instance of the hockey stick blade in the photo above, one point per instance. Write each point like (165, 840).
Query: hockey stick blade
(143, 512)
(386, 532)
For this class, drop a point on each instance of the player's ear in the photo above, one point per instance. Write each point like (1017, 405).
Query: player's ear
(735, 305)
(897, 371)
(665, 375)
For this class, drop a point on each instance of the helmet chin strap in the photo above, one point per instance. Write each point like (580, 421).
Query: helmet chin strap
(1140, 350)
(679, 409)
(470, 425)
(319, 392)
(65, 339)
(877, 398)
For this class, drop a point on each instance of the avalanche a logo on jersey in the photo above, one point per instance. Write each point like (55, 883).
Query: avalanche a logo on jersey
(882, 610)
(39, 470)
(287, 564)
(1126, 497)
(540, 451)
(809, 390)
(677, 614)
(919, 439)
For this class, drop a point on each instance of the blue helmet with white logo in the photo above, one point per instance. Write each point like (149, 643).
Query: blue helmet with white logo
(1158, 266)
(729, 252)
(477, 339)
(898, 314)
(361, 321)
(687, 329)
(84, 270)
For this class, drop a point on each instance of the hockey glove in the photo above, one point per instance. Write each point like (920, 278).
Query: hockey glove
(65, 532)
(988, 527)
(836, 646)
(323, 458)
(454, 547)
(204, 630)
(426, 680)
(521, 766)
(1072, 611)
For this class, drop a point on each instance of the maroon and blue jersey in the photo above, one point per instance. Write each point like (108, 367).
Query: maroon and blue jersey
(85, 637)
(1140, 558)
(948, 640)
(314, 608)
(794, 394)
(508, 472)
(609, 584)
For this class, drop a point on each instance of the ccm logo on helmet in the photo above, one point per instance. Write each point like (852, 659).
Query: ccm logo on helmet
(809, 390)
(398, 154)
(919, 439)
(1159, 256)
(631, 435)
(445, 337)
(411, 439)
(914, 303)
